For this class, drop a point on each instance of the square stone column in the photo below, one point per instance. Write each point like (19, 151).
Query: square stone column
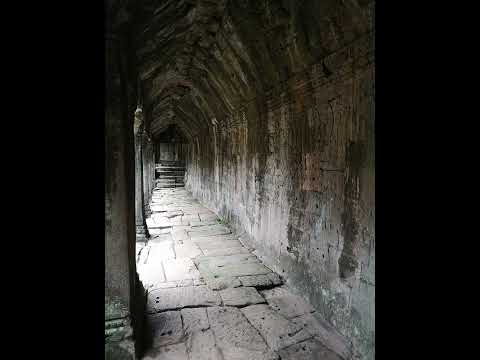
(141, 225)
(146, 166)
(123, 291)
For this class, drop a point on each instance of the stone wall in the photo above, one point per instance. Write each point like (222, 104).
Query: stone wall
(294, 170)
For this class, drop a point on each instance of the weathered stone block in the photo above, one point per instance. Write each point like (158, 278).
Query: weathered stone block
(201, 345)
(325, 333)
(241, 296)
(277, 331)
(226, 251)
(180, 297)
(195, 319)
(165, 328)
(169, 352)
(271, 279)
(222, 283)
(180, 269)
(235, 336)
(290, 305)
(308, 350)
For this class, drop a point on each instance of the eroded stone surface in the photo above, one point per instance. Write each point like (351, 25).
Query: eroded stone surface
(308, 350)
(180, 297)
(160, 251)
(180, 269)
(271, 279)
(179, 234)
(201, 346)
(277, 331)
(169, 352)
(290, 305)
(235, 335)
(210, 230)
(215, 245)
(222, 283)
(187, 250)
(325, 333)
(151, 274)
(166, 328)
(195, 319)
(238, 269)
(222, 260)
(241, 296)
(208, 217)
(225, 251)
(213, 238)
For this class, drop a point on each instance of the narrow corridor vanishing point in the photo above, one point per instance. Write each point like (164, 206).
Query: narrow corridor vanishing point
(210, 297)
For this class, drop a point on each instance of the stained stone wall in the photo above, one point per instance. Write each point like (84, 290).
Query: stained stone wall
(294, 168)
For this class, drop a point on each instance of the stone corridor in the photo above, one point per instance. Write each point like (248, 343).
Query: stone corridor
(210, 297)
(240, 179)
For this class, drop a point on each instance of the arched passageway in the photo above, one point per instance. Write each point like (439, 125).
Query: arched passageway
(269, 108)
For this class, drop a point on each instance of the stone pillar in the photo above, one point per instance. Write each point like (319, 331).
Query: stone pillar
(121, 282)
(154, 152)
(146, 173)
(141, 226)
(151, 168)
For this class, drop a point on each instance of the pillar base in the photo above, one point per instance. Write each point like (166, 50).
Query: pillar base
(119, 342)
(148, 211)
(142, 233)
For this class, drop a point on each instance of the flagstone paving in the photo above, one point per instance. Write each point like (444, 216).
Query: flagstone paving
(210, 297)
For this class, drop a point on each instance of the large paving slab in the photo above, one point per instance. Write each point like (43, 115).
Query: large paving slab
(187, 250)
(325, 333)
(210, 230)
(160, 251)
(160, 220)
(179, 235)
(261, 281)
(165, 328)
(218, 244)
(213, 238)
(162, 237)
(205, 216)
(201, 346)
(222, 283)
(197, 224)
(151, 274)
(180, 269)
(159, 231)
(181, 297)
(222, 260)
(230, 270)
(226, 251)
(308, 350)
(241, 296)
(195, 319)
(142, 254)
(290, 305)
(235, 335)
(277, 331)
(169, 352)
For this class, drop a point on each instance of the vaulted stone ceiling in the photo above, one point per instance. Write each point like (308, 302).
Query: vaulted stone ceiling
(199, 60)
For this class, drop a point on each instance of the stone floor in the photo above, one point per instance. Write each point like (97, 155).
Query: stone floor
(210, 298)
